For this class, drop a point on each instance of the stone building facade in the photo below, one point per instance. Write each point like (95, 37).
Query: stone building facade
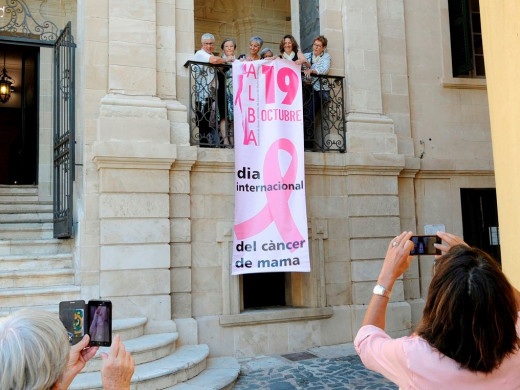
(153, 215)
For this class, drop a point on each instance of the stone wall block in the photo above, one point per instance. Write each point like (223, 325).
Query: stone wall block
(133, 205)
(153, 307)
(134, 180)
(137, 9)
(135, 129)
(181, 305)
(180, 206)
(180, 254)
(180, 280)
(372, 185)
(206, 303)
(373, 205)
(368, 248)
(126, 257)
(337, 329)
(366, 270)
(304, 335)
(138, 56)
(180, 230)
(251, 341)
(220, 339)
(135, 282)
(373, 226)
(134, 231)
(131, 31)
(133, 79)
(207, 279)
(179, 182)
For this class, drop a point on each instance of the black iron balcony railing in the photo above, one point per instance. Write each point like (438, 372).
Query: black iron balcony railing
(210, 109)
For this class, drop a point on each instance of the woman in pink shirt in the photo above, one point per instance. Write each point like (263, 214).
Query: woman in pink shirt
(468, 337)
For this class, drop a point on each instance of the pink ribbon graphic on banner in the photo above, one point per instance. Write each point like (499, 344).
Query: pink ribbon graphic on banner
(277, 207)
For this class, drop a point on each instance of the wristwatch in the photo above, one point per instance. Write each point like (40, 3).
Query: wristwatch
(380, 290)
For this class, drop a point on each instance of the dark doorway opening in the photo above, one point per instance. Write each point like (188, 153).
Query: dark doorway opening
(264, 290)
(19, 117)
(480, 219)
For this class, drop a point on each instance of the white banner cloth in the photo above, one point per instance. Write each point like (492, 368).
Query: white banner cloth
(270, 232)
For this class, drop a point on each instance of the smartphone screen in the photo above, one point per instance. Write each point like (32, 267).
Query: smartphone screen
(423, 245)
(72, 315)
(100, 322)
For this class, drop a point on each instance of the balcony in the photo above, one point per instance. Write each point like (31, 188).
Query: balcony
(210, 111)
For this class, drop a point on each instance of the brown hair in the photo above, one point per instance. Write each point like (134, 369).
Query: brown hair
(322, 39)
(293, 42)
(470, 312)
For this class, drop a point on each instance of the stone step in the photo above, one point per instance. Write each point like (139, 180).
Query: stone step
(31, 261)
(37, 277)
(144, 349)
(26, 231)
(54, 308)
(220, 374)
(185, 363)
(11, 298)
(27, 216)
(25, 207)
(18, 190)
(129, 328)
(19, 198)
(32, 247)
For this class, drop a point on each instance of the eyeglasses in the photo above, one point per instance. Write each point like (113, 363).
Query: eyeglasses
(209, 43)
(317, 45)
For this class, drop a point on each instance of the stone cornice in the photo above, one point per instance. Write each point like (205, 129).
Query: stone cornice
(133, 155)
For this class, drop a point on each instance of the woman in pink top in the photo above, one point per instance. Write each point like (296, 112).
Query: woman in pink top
(468, 337)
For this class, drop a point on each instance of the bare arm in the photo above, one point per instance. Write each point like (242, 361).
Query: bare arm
(218, 60)
(397, 260)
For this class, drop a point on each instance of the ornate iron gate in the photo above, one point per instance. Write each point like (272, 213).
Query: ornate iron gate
(63, 132)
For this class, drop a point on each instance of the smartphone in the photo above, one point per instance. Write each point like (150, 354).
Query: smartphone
(423, 245)
(93, 318)
(100, 322)
(73, 316)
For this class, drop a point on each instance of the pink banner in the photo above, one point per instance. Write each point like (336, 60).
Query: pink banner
(270, 233)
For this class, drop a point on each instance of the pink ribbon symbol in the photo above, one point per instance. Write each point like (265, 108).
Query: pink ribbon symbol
(277, 207)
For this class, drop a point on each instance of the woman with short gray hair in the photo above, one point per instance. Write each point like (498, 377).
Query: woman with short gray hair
(35, 355)
(255, 44)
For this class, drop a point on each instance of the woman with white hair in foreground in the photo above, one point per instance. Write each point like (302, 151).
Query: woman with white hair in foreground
(35, 355)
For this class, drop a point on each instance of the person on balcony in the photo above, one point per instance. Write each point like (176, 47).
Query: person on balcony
(266, 53)
(317, 90)
(289, 50)
(225, 93)
(205, 95)
(255, 44)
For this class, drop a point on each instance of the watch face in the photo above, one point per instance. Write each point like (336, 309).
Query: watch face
(379, 290)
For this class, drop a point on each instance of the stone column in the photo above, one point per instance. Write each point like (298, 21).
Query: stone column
(133, 156)
(368, 129)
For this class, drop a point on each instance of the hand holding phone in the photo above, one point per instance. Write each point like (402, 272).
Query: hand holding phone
(423, 245)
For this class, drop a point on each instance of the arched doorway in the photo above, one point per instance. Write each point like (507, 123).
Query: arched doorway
(40, 121)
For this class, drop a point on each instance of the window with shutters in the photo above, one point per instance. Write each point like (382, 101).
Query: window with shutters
(467, 54)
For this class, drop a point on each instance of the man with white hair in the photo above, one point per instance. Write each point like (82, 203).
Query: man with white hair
(204, 78)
